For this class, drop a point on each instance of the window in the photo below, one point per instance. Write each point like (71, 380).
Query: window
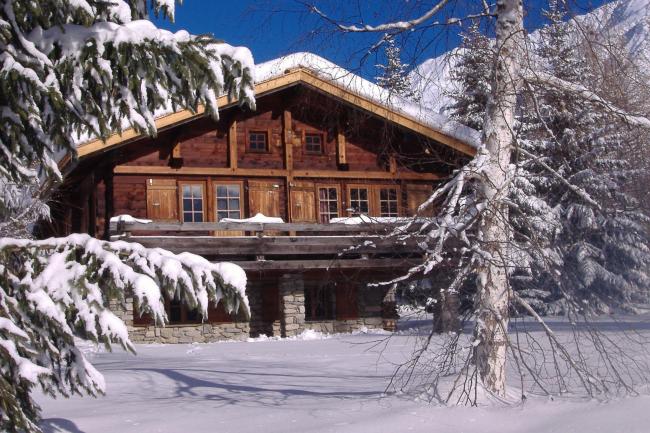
(359, 200)
(228, 199)
(257, 141)
(328, 204)
(177, 313)
(313, 143)
(319, 302)
(192, 203)
(388, 202)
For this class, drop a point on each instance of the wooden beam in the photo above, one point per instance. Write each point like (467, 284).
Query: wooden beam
(367, 228)
(392, 164)
(287, 140)
(232, 146)
(259, 172)
(341, 154)
(279, 245)
(328, 264)
(176, 151)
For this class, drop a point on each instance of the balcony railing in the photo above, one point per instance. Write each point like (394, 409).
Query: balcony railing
(280, 245)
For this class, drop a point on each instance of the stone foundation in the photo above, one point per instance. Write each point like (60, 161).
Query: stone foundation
(292, 305)
(199, 333)
(348, 325)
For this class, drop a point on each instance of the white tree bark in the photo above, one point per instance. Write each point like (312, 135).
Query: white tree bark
(492, 301)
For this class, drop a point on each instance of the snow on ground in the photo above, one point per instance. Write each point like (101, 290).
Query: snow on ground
(313, 383)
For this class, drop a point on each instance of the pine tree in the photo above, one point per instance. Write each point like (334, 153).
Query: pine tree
(71, 69)
(394, 75)
(471, 77)
(598, 252)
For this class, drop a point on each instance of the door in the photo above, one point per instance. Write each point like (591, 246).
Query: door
(303, 202)
(415, 196)
(264, 197)
(162, 200)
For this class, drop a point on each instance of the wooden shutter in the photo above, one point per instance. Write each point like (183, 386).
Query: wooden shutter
(415, 196)
(303, 202)
(162, 199)
(264, 197)
(346, 302)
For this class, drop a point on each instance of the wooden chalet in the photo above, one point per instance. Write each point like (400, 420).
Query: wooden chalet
(317, 147)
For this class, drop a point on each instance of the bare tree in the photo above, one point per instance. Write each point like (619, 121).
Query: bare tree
(473, 229)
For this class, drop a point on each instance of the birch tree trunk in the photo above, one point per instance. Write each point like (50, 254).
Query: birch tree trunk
(492, 301)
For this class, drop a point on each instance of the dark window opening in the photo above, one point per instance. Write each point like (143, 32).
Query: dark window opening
(328, 204)
(228, 201)
(257, 141)
(178, 313)
(319, 303)
(359, 200)
(314, 143)
(388, 202)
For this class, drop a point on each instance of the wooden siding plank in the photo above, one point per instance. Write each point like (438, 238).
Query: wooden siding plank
(232, 146)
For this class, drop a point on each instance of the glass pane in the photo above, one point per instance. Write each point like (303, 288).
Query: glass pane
(333, 207)
(222, 204)
(384, 208)
(187, 204)
(198, 217)
(197, 191)
(332, 192)
(354, 194)
(322, 193)
(233, 203)
(234, 214)
(198, 205)
(363, 208)
(187, 217)
(363, 194)
(392, 194)
(221, 190)
(222, 214)
(323, 207)
(186, 191)
(383, 194)
(233, 190)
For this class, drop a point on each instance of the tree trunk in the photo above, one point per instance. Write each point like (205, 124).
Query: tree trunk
(492, 301)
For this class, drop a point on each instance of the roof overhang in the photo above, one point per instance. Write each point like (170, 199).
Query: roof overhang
(289, 78)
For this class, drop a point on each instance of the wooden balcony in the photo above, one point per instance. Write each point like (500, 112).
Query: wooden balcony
(280, 246)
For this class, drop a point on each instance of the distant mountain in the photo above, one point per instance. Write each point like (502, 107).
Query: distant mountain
(627, 19)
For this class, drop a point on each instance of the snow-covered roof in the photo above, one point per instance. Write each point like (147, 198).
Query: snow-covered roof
(356, 84)
(269, 72)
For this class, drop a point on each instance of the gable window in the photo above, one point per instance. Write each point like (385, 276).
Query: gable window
(328, 203)
(178, 313)
(359, 200)
(388, 202)
(314, 143)
(258, 141)
(228, 201)
(192, 198)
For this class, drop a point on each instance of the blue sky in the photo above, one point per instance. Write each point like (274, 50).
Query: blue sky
(272, 28)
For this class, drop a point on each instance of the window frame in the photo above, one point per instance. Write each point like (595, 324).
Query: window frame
(265, 133)
(320, 186)
(181, 208)
(215, 206)
(322, 142)
(368, 188)
(377, 195)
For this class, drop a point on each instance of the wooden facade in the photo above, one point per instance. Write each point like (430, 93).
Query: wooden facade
(310, 152)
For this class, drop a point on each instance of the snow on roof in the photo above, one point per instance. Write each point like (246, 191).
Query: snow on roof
(356, 84)
(331, 72)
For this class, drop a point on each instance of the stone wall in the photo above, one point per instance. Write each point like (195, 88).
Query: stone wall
(292, 305)
(186, 333)
(348, 325)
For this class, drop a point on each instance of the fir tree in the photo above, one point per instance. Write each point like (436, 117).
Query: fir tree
(471, 78)
(72, 69)
(596, 253)
(394, 75)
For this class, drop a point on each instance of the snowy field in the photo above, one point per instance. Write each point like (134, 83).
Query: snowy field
(334, 384)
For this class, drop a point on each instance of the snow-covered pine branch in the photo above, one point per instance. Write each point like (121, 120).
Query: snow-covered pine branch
(77, 69)
(54, 290)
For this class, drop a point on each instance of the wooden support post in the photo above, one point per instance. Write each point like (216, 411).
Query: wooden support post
(176, 151)
(232, 145)
(287, 140)
(341, 156)
(392, 164)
